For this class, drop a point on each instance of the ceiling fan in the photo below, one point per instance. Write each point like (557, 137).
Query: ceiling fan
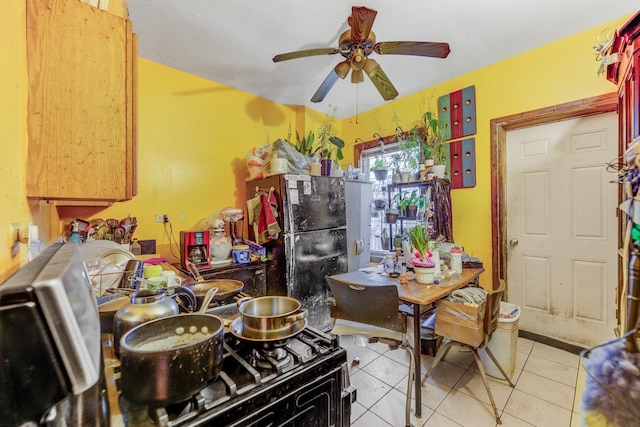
(355, 45)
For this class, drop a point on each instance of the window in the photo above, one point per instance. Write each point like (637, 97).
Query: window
(382, 233)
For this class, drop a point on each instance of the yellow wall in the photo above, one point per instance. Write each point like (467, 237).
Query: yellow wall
(559, 72)
(13, 122)
(194, 134)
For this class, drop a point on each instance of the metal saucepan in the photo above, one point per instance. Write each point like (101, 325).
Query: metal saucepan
(270, 317)
(267, 339)
(227, 288)
(168, 360)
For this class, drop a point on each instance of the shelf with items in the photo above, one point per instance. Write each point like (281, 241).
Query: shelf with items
(403, 196)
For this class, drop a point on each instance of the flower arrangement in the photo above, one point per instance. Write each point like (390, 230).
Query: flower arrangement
(419, 237)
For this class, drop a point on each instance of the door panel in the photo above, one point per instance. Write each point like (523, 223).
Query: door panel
(561, 211)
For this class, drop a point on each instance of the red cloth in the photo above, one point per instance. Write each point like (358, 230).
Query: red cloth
(268, 227)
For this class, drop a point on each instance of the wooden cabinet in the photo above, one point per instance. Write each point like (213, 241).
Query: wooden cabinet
(623, 71)
(81, 114)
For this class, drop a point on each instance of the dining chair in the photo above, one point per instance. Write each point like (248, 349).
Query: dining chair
(490, 323)
(372, 311)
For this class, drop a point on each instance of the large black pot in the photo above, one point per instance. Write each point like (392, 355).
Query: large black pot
(168, 360)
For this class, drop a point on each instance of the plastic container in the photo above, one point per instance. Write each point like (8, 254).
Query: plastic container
(240, 254)
(504, 342)
(456, 260)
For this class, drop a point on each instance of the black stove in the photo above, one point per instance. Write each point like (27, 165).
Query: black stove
(302, 382)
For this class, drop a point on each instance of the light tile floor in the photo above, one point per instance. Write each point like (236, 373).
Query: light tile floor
(545, 393)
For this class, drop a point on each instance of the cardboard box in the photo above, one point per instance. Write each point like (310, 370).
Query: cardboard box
(460, 322)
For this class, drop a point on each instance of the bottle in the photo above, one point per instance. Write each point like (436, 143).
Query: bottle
(403, 271)
(75, 236)
(448, 277)
(389, 266)
(135, 247)
(456, 260)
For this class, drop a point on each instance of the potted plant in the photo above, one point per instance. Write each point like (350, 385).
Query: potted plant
(423, 264)
(391, 215)
(410, 148)
(435, 145)
(379, 167)
(396, 160)
(412, 203)
(328, 146)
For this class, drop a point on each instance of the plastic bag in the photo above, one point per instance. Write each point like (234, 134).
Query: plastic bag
(257, 161)
(296, 161)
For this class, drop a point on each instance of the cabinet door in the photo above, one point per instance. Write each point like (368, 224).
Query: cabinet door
(81, 108)
(253, 277)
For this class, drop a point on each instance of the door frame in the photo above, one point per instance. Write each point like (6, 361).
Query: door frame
(499, 127)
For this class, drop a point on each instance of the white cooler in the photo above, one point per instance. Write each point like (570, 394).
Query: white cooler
(504, 342)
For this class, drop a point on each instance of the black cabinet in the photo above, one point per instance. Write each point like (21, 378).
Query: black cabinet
(253, 275)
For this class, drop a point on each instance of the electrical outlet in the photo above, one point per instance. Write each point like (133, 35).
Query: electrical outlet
(166, 217)
(160, 218)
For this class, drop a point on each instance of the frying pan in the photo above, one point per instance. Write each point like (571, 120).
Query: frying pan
(227, 288)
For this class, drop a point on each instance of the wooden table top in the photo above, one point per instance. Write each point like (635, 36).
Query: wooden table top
(413, 292)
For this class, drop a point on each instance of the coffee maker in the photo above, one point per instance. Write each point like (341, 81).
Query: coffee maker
(194, 247)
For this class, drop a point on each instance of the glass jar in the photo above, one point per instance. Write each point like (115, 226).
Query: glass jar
(219, 245)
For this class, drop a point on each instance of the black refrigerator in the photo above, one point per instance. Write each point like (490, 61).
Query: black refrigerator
(313, 239)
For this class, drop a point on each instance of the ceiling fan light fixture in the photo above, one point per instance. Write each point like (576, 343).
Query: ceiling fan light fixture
(342, 69)
(357, 76)
(371, 67)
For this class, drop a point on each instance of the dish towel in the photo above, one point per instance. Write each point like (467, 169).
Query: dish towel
(263, 216)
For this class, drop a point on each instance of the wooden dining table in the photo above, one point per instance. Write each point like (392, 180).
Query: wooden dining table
(416, 294)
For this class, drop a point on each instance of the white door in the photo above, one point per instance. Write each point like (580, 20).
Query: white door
(562, 228)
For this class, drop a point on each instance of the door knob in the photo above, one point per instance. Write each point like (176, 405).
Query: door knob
(513, 242)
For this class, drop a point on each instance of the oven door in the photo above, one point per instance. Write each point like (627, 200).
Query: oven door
(319, 395)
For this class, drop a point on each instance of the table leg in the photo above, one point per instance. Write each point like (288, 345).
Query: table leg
(416, 353)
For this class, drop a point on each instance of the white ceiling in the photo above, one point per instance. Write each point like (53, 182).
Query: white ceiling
(233, 41)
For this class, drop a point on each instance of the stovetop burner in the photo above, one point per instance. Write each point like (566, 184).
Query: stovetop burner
(277, 357)
(250, 375)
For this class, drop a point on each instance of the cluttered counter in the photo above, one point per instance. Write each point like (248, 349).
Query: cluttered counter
(416, 294)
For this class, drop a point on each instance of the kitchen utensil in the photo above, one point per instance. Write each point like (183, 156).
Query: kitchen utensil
(168, 360)
(144, 306)
(269, 317)
(227, 288)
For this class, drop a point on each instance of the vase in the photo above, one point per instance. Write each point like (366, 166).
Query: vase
(424, 275)
(439, 170)
(380, 174)
(391, 217)
(411, 211)
(314, 169)
(396, 178)
(326, 165)
(405, 176)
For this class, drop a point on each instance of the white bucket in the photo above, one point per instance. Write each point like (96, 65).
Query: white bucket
(503, 343)
(424, 275)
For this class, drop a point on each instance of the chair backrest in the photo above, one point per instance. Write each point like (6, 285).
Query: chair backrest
(373, 305)
(492, 309)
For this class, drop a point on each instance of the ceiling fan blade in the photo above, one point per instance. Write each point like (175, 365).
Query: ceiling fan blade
(341, 70)
(361, 21)
(305, 53)
(380, 80)
(431, 49)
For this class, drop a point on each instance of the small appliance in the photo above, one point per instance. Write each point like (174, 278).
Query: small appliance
(194, 247)
(232, 216)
